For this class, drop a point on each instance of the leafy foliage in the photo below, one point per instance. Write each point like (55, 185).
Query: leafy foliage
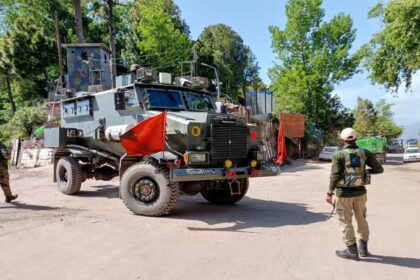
(393, 55)
(375, 119)
(222, 47)
(23, 123)
(314, 56)
(161, 37)
(24, 52)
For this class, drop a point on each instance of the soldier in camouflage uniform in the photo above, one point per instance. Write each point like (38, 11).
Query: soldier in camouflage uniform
(4, 174)
(348, 179)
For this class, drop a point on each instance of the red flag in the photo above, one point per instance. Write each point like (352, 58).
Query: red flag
(281, 146)
(146, 137)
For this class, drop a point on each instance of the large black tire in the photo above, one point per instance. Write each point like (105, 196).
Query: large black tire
(69, 175)
(146, 190)
(223, 196)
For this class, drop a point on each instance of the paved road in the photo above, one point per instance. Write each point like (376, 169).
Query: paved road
(280, 231)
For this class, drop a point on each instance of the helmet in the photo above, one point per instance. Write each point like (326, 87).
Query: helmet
(348, 134)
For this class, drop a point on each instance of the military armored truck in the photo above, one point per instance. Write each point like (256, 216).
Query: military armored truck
(206, 151)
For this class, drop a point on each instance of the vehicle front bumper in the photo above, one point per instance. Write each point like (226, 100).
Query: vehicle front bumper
(411, 159)
(325, 156)
(201, 174)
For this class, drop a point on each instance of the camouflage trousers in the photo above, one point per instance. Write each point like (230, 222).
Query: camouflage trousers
(346, 207)
(4, 180)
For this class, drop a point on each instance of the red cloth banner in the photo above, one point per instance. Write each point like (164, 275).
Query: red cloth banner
(281, 146)
(146, 137)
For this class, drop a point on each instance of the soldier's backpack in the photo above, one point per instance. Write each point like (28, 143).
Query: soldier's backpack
(355, 173)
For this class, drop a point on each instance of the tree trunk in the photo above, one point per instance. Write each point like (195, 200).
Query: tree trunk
(113, 61)
(9, 94)
(78, 23)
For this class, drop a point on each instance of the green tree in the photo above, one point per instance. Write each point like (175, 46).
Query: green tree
(96, 20)
(27, 48)
(365, 116)
(376, 119)
(314, 56)
(159, 37)
(336, 117)
(384, 121)
(24, 60)
(252, 73)
(222, 47)
(23, 123)
(393, 54)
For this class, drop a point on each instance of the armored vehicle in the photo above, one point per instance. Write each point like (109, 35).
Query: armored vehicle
(206, 152)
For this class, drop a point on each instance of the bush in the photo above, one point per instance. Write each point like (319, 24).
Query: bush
(22, 124)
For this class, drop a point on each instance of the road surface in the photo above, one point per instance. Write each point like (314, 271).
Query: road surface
(280, 230)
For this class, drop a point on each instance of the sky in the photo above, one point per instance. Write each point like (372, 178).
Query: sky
(251, 19)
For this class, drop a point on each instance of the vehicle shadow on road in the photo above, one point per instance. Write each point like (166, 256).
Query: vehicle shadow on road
(26, 206)
(107, 191)
(248, 213)
(398, 261)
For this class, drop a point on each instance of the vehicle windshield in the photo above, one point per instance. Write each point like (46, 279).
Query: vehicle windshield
(199, 102)
(412, 151)
(164, 99)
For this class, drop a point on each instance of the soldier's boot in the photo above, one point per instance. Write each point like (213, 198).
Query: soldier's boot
(11, 198)
(349, 253)
(363, 248)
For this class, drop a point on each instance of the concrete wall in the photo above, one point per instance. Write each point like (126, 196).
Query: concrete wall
(36, 157)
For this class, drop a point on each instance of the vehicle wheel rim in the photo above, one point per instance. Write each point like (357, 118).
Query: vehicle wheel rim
(145, 190)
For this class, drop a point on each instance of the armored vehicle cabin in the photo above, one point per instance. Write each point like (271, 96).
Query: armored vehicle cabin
(206, 151)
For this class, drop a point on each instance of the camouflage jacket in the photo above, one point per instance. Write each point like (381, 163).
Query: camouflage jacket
(337, 172)
(4, 153)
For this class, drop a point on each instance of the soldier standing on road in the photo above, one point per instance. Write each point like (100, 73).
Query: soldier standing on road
(348, 179)
(4, 174)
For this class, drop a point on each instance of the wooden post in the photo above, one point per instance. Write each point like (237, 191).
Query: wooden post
(300, 147)
(113, 60)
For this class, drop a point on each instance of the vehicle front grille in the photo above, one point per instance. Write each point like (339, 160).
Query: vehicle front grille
(229, 141)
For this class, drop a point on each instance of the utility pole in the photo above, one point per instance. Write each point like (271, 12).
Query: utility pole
(60, 57)
(113, 60)
(78, 23)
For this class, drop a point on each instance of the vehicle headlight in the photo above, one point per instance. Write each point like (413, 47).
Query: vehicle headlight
(197, 157)
(260, 156)
(228, 163)
(253, 163)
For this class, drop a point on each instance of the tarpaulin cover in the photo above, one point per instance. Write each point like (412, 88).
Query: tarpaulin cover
(373, 144)
(146, 137)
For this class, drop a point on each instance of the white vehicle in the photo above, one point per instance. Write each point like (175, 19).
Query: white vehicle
(328, 152)
(411, 154)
